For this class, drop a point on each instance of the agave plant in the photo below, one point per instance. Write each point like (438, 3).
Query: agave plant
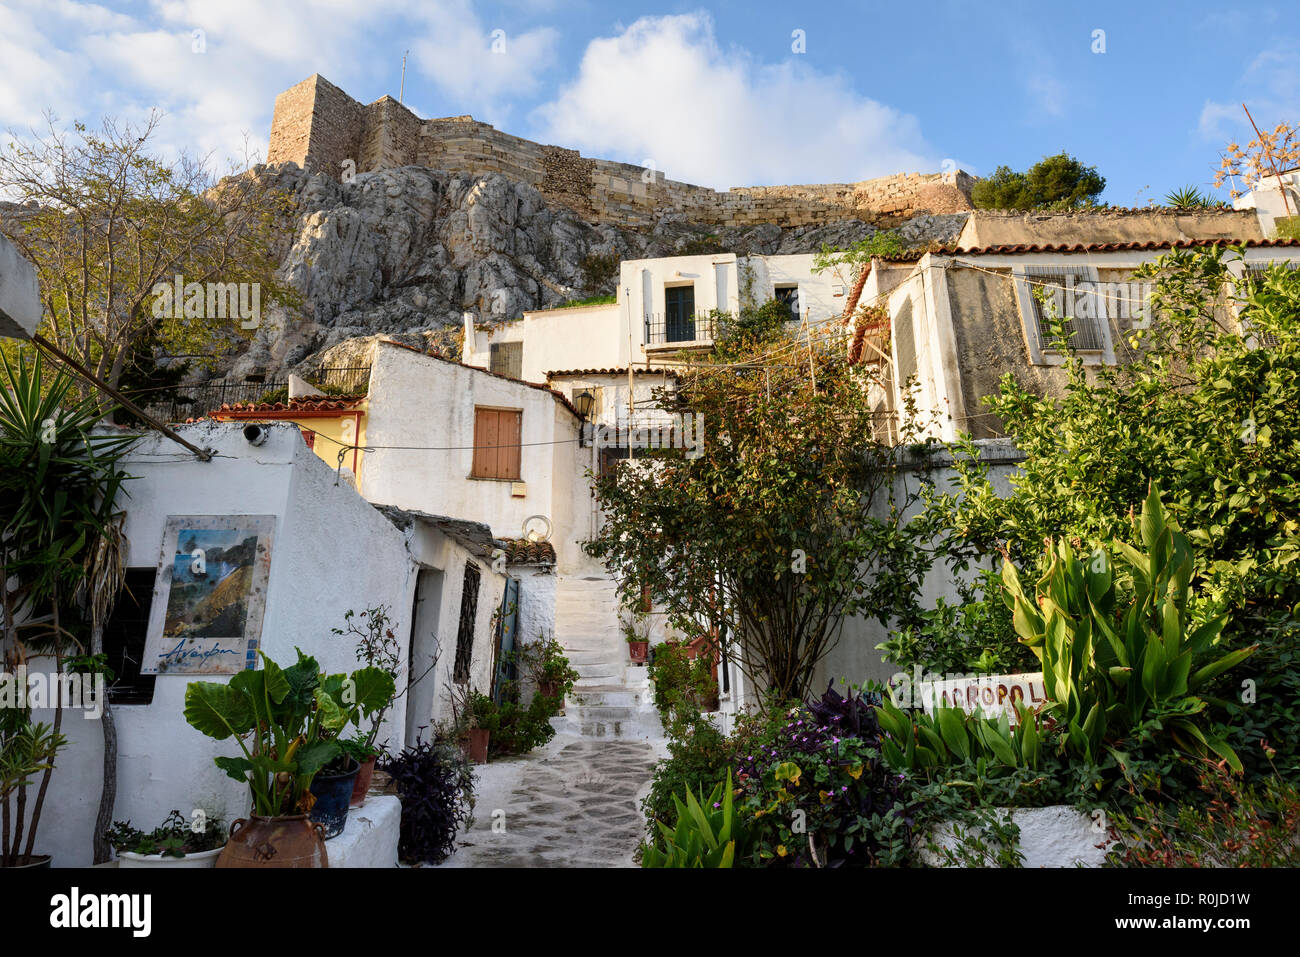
(1107, 674)
(707, 832)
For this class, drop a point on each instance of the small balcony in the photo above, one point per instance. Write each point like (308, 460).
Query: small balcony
(676, 330)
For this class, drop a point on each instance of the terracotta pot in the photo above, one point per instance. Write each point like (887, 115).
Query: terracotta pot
(333, 792)
(639, 651)
(476, 745)
(289, 841)
(362, 786)
(547, 689)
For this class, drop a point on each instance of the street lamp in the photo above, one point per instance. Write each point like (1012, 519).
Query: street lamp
(583, 402)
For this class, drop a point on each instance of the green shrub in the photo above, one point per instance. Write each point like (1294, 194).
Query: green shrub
(515, 728)
(1237, 825)
(698, 756)
(975, 634)
(680, 680)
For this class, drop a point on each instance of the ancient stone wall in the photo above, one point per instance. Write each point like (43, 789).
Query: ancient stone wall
(318, 126)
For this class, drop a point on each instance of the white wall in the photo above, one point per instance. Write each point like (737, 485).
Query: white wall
(331, 552)
(417, 400)
(432, 548)
(609, 336)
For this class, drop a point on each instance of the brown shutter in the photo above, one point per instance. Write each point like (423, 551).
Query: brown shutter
(485, 422)
(497, 438)
(510, 432)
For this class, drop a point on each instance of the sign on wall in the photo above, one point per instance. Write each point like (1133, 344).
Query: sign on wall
(991, 694)
(210, 595)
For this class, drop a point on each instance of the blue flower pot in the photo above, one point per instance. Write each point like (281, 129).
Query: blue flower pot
(333, 792)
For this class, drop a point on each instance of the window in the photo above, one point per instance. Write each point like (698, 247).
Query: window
(1252, 271)
(468, 615)
(1075, 294)
(788, 294)
(497, 437)
(507, 359)
(679, 314)
(124, 634)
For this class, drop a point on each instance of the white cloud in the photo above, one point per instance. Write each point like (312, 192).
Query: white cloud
(663, 89)
(478, 65)
(84, 61)
(1269, 85)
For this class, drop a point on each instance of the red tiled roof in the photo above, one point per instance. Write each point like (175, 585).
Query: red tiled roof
(622, 371)
(559, 396)
(521, 551)
(1022, 248)
(323, 403)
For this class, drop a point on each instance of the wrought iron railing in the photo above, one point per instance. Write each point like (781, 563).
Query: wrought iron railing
(178, 403)
(666, 329)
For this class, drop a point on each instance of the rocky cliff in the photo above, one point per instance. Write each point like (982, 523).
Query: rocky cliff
(407, 251)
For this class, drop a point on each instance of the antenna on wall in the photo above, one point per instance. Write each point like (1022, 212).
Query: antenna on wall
(401, 91)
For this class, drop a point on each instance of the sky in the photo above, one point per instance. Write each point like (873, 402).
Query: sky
(721, 94)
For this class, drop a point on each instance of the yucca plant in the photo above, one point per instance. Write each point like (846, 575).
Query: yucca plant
(707, 832)
(1187, 197)
(1110, 675)
(59, 482)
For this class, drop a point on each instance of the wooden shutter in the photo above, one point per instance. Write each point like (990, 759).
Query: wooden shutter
(497, 438)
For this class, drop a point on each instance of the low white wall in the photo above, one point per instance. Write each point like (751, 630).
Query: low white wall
(854, 659)
(331, 552)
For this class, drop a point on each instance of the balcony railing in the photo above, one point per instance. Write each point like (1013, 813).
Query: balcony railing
(178, 403)
(676, 329)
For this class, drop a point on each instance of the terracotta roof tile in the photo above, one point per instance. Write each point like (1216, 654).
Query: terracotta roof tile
(1023, 248)
(326, 403)
(522, 551)
(623, 371)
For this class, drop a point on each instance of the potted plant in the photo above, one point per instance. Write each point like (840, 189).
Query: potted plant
(174, 843)
(365, 693)
(636, 631)
(482, 712)
(286, 722)
(26, 749)
(551, 670)
(377, 647)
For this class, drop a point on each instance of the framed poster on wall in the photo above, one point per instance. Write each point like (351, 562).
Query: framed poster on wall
(210, 595)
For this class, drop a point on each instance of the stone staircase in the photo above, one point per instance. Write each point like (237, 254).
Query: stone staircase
(609, 699)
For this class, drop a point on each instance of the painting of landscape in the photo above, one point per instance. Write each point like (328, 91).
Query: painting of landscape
(210, 594)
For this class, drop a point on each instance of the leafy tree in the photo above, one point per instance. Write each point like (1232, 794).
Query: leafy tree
(786, 523)
(1055, 182)
(105, 222)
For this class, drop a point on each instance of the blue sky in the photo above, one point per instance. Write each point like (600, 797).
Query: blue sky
(710, 93)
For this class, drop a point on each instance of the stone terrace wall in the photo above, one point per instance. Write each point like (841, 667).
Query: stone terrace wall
(318, 126)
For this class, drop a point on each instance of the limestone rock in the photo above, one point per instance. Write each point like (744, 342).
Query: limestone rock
(405, 252)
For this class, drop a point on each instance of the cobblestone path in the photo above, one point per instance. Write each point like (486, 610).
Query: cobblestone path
(575, 803)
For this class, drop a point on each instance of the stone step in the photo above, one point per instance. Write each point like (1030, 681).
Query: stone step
(590, 698)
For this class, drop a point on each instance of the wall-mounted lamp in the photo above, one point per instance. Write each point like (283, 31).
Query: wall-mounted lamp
(584, 402)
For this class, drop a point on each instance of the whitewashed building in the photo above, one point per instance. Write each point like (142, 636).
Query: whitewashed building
(330, 552)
